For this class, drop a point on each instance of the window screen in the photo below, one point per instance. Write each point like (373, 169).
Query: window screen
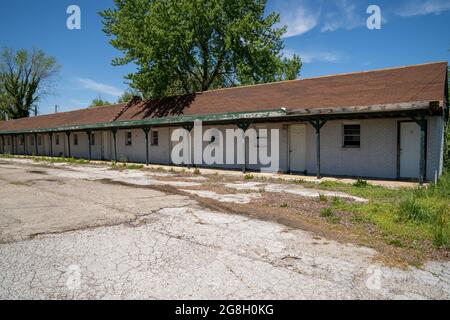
(155, 138)
(352, 135)
(128, 139)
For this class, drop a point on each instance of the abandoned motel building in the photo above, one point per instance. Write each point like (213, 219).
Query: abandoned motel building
(381, 124)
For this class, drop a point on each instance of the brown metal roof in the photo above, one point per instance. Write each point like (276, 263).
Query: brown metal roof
(425, 82)
(55, 120)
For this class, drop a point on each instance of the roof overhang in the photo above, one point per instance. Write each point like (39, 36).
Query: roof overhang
(275, 115)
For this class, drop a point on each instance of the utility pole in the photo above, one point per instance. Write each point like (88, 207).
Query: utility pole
(56, 108)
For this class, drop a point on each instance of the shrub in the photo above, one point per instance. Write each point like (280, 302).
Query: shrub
(440, 226)
(412, 209)
(360, 183)
(284, 205)
(323, 197)
(196, 171)
(248, 176)
(326, 212)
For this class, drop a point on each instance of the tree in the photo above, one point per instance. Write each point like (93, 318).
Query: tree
(25, 78)
(98, 102)
(128, 95)
(186, 46)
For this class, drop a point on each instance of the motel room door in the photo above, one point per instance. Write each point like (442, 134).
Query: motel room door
(297, 148)
(409, 150)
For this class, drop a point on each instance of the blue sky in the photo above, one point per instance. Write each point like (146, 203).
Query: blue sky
(330, 35)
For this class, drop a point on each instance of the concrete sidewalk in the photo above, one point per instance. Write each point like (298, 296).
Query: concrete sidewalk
(267, 175)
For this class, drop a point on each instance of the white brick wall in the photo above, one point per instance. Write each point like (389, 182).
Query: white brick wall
(376, 158)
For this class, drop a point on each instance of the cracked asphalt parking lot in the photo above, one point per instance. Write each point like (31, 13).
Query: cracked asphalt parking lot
(63, 236)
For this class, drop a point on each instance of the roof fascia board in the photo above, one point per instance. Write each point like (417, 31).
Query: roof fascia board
(176, 120)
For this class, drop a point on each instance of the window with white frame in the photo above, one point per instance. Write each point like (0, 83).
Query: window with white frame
(128, 138)
(155, 138)
(352, 136)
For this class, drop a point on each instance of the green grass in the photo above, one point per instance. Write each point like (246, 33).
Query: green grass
(360, 183)
(326, 212)
(135, 166)
(59, 160)
(284, 205)
(406, 216)
(248, 176)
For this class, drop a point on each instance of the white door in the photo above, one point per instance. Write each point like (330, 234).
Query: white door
(297, 148)
(409, 150)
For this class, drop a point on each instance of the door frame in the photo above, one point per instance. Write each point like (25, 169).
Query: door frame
(399, 122)
(289, 151)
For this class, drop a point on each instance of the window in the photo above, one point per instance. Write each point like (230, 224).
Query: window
(92, 139)
(57, 140)
(155, 138)
(128, 139)
(31, 141)
(75, 139)
(352, 136)
(39, 140)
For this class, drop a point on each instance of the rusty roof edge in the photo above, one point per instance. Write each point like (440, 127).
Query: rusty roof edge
(403, 106)
(236, 116)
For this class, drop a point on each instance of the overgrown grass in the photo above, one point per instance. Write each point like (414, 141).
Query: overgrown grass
(406, 216)
(135, 166)
(59, 160)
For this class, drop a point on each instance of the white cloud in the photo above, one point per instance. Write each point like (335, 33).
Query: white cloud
(309, 57)
(315, 56)
(343, 14)
(419, 8)
(301, 16)
(99, 87)
(299, 21)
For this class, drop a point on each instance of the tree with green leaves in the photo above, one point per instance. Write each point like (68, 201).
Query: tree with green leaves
(187, 46)
(128, 95)
(98, 102)
(25, 78)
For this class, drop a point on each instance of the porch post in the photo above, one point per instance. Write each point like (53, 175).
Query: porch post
(317, 124)
(13, 138)
(68, 144)
(146, 131)
(36, 144)
(114, 131)
(24, 144)
(244, 126)
(422, 123)
(51, 143)
(89, 133)
(3, 144)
